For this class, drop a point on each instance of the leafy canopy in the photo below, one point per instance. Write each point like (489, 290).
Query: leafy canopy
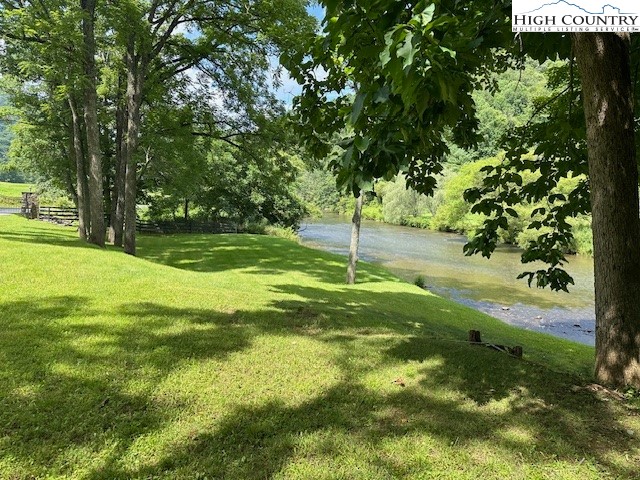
(394, 77)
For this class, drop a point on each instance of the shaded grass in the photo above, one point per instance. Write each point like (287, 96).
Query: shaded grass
(246, 357)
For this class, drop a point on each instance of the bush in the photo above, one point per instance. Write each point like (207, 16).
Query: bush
(317, 189)
(454, 214)
(346, 205)
(422, 221)
(582, 235)
(373, 211)
(281, 232)
(400, 203)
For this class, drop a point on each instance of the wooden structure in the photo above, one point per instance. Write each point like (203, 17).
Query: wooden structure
(475, 339)
(61, 215)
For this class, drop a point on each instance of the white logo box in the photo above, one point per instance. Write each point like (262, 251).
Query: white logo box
(575, 16)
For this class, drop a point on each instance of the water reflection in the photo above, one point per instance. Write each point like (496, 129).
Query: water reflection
(488, 285)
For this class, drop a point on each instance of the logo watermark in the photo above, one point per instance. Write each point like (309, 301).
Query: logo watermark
(575, 16)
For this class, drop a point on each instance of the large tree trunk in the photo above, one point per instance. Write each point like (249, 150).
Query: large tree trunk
(355, 240)
(135, 74)
(82, 188)
(96, 199)
(604, 64)
(116, 224)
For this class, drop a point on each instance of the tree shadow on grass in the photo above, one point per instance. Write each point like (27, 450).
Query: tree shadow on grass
(73, 384)
(475, 399)
(353, 432)
(215, 253)
(68, 394)
(253, 253)
(362, 311)
(41, 233)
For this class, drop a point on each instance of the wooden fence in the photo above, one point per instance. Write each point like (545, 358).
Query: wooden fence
(62, 215)
(67, 216)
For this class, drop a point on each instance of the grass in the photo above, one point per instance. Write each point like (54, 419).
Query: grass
(243, 357)
(14, 189)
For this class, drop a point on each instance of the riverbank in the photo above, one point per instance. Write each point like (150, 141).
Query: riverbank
(488, 285)
(243, 356)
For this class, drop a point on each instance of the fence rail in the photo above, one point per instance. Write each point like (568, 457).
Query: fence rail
(62, 215)
(68, 216)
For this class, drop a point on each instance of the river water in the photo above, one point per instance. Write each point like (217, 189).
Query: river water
(488, 285)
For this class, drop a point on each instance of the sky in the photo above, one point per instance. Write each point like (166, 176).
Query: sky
(289, 88)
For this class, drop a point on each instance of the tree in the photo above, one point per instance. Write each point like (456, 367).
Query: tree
(355, 240)
(77, 153)
(8, 172)
(400, 78)
(317, 188)
(147, 54)
(231, 48)
(416, 65)
(605, 67)
(413, 69)
(96, 200)
(49, 61)
(600, 141)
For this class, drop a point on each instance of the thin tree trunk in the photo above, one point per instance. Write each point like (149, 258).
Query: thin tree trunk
(82, 188)
(604, 63)
(116, 225)
(355, 240)
(96, 199)
(186, 209)
(135, 72)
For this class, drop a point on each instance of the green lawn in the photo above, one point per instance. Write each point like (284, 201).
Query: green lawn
(11, 193)
(241, 357)
(14, 189)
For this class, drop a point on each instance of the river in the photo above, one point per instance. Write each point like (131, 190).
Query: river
(488, 285)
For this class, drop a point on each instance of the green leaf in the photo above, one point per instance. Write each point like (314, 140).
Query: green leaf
(407, 50)
(365, 185)
(347, 156)
(362, 143)
(385, 55)
(451, 53)
(511, 212)
(356, 109)
(427, 14)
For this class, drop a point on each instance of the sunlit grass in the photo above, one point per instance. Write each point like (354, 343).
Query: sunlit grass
(243, 357)
(11, 193)
(14, 189)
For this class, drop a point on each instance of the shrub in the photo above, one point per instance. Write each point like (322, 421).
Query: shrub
(454, 214)
(373, 211)
(400, 203)
(582, 235)
(281, 232)
(422, 221)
